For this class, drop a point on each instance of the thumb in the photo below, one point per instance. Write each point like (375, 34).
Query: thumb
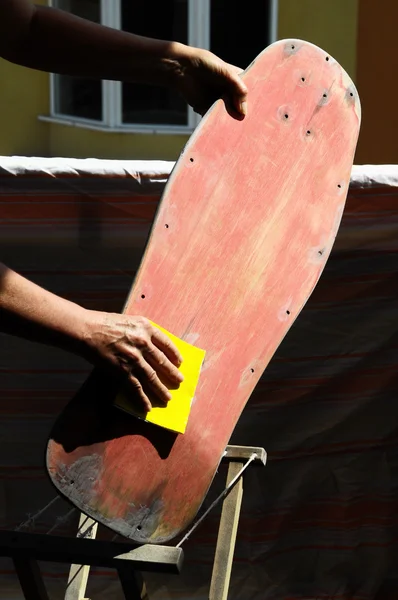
(237, 92)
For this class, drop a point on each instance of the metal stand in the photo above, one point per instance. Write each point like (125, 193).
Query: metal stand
(130, 560)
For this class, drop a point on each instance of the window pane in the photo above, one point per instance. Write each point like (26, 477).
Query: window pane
(76, 96)
(167, 20)
(238, 35)
(87, 9)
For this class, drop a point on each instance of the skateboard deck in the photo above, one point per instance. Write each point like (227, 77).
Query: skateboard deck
(243, 231)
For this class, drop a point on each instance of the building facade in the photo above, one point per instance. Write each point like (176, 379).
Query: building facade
(47, 115)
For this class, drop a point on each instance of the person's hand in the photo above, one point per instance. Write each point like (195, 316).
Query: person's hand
(204, 78)
(142, 356)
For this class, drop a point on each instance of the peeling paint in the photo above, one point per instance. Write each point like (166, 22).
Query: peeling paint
(192, 338)
(79, 479)
(291, 47)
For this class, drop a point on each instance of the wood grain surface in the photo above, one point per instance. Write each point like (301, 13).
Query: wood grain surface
(245, 226)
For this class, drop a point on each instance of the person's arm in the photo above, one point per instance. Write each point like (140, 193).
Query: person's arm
(56, 41)
(130, 347)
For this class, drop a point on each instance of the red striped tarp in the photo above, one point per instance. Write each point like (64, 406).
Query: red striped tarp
(321, 519)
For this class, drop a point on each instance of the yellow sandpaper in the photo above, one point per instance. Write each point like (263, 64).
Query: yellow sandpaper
(174, 415)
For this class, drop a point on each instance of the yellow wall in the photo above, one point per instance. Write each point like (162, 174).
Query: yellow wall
(330, 24)
(82, 143)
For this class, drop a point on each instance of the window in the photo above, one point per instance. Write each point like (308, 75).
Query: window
(169, 20)
(236, 36)
(74, 96)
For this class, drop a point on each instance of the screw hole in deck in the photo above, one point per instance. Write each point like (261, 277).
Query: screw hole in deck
(166, 225)
(339, 185)
(139, 527)
(308, 132)
(142, 296)
(288, 312)
(191, 159)
(327, 58)
(251, 370)
(286, 116)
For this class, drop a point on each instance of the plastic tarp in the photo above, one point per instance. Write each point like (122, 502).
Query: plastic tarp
(321, 519)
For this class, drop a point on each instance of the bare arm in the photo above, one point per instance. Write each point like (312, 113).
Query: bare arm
(53, 40)
(130, 347)
(56, 41)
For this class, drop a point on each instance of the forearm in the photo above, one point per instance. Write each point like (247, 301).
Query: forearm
(60, 42)
(29, 311)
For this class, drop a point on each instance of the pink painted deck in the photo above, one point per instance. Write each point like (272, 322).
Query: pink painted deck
(243, 232)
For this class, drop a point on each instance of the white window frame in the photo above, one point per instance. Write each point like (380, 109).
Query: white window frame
(198, 35)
